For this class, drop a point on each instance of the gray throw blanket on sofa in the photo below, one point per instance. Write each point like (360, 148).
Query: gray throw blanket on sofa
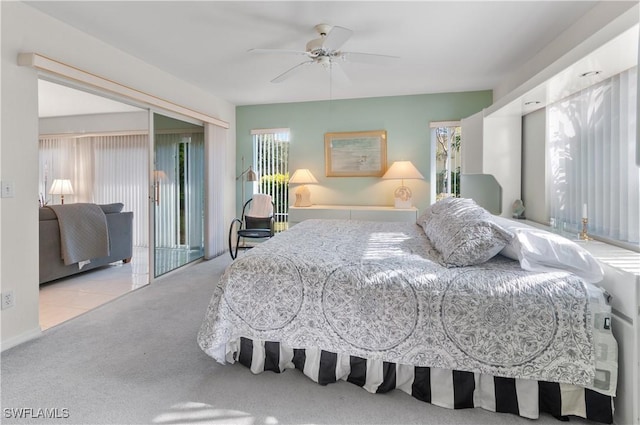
(83, 232)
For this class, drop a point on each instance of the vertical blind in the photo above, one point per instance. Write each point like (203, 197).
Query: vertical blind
(195, 187)
(215, 155)
(591, 159)
(166, 191)
(271, 162)
(120, 173)
(102, 170)
(179, 174)
(113, 168)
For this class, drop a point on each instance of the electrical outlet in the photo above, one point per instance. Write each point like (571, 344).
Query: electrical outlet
(8, 299)
(8, 189)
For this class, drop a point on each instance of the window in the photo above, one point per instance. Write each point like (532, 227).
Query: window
(591, 159)
(271, 162)
(446, 138)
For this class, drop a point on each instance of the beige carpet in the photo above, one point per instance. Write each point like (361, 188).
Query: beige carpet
(135, 360)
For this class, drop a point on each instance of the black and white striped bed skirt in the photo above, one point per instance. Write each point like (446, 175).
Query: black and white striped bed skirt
(445, 388)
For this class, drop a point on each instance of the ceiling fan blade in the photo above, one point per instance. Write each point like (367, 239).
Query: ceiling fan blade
(336, 38)
(368, 58)
(291, 71)
(278, 51)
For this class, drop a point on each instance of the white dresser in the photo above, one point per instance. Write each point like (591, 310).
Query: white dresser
(352, 212)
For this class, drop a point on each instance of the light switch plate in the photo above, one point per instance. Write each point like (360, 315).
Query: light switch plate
(8, 189)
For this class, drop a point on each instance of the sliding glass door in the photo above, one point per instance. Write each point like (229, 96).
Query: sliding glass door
(178, 185)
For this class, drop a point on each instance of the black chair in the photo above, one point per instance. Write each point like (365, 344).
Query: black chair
(248, 226)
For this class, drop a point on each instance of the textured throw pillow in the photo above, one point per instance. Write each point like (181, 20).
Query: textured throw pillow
(441, 207)
(463, 234)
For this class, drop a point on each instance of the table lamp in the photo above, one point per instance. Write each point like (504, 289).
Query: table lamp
(302, 176)
(402, 170)
(61, 187)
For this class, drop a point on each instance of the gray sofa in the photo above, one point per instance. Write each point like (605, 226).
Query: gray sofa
(120, 229)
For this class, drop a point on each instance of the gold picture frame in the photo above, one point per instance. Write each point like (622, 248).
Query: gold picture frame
(355, 154)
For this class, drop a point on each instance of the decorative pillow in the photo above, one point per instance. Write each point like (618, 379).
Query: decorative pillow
(112, 208)
(441, 207)
(463, 234)
(542, 251)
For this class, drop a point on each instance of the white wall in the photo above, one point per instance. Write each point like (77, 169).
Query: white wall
(95, 123)
(471, 128)
(501, 156)
(25, 29)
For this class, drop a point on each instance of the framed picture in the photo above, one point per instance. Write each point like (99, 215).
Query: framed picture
(355, 154)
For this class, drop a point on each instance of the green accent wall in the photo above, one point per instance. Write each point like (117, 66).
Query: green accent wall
(405, 118)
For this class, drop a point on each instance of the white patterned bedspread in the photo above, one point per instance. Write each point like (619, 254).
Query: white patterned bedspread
(376, 290)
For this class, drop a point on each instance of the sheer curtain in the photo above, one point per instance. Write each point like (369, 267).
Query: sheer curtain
(591, 159)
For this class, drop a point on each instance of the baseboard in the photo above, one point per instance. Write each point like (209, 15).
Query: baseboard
(19, 339)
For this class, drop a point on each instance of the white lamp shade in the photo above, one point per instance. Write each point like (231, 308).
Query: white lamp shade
(402, 170)
(61, 187)
(302, 176)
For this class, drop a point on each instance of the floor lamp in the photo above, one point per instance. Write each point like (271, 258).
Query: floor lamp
(248, 175)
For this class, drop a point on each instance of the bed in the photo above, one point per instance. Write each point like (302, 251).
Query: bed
(377, 304)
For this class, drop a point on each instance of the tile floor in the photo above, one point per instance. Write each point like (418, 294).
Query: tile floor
(64, 299)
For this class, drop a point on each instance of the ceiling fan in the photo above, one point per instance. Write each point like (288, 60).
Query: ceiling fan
(324, 51)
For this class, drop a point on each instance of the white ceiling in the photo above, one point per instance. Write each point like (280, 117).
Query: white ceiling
(443, 46)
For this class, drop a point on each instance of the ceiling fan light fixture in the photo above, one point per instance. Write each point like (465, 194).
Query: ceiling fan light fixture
(325, 61)
(323, 29)
(315, 46)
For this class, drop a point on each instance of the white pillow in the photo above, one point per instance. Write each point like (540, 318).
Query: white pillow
(512, 249)
(542, 251)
